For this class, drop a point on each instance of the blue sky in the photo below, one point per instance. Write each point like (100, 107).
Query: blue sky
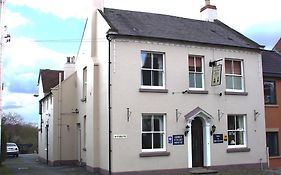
(44, 33)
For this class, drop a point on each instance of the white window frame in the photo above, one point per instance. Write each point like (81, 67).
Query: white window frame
(164, 132)
(244, 130)
(151, 69)
(235, 75)
(203, 71)
(84, 88)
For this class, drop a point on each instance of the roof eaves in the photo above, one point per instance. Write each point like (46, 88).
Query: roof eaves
(108, 21)
(185, 41)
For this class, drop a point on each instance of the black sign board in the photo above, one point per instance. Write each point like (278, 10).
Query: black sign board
(178, 139)
(218, 138)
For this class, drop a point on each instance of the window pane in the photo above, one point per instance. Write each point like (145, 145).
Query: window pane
(158, 61)
(237, 67)
(158, 140)
(237, 83)
(272, 143)
(198, 64)
(239, 138)
(198, 77)
(158, 123)
(229, 84)
(228, 67)
(146, 141)
(231, 122)
(191, 64)
(146, 77)
(146, 123)
(269, 92)
(231, 138)
(191, 80)
(146, 60)
(239, 123)
(157, 78)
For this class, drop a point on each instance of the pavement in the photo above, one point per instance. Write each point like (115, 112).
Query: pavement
(28, 164)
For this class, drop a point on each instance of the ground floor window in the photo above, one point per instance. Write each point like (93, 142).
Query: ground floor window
(272, 143)
(153, 132)
(236, 130)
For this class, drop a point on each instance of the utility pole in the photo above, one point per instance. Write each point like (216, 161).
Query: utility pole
(5, 38)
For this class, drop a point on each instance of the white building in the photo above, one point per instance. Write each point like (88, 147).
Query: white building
(143, 89)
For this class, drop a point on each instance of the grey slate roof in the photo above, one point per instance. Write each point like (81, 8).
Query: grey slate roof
(157, 26)
(271, 64)
(50, 79)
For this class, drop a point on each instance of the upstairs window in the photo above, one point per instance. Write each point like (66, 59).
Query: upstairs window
(196, 72)
(152, 69)
(84, 90)
(234, 75)
(269, 92)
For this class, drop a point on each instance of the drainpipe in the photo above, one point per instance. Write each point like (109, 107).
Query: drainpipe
(47, 140)
(60, 118)
(109, 102)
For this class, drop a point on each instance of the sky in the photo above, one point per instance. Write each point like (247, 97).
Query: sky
(43, 33)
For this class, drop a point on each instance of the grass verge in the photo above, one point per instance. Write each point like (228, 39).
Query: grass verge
(4, 170)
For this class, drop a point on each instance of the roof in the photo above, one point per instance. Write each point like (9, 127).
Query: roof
(271, 64)
(158, 26)
(277, 46)
(50, 79)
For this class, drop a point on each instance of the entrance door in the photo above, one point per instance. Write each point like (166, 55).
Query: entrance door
(197, 142)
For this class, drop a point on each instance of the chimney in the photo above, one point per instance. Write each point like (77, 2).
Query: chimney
(208, 12)
(69, 67)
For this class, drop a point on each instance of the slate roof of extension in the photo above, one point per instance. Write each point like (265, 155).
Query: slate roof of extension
(50, 79)
(271, 64)
(157, 26)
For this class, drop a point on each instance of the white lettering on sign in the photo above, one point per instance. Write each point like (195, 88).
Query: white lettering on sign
(120, 136)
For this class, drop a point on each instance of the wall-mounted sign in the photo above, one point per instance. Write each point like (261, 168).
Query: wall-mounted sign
(178, 139)
(216, 75)
(170, 139)
(218, 138)
(120, 136)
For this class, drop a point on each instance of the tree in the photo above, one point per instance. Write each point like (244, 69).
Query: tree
(3, 143)
(19, 132)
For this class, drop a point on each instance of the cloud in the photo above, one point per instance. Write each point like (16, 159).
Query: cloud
(23, 104)
(14, 19)
(62, 8)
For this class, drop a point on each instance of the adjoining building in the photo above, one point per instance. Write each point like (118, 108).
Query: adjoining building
(272, 96)
(157, 93)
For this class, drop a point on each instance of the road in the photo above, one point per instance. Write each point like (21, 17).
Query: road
(27, 164)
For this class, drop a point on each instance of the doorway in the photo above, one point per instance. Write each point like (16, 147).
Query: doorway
(197, 143)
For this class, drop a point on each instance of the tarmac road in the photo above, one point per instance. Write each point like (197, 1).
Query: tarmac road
(27, 164)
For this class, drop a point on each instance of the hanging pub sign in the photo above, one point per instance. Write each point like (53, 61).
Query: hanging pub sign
(216, 75)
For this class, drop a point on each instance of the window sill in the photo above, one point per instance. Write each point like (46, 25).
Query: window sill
(154, 90)
(236, 93)
(154, 154)
(236, 150)
(197, 92)
(274, 157)
(271, 106)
